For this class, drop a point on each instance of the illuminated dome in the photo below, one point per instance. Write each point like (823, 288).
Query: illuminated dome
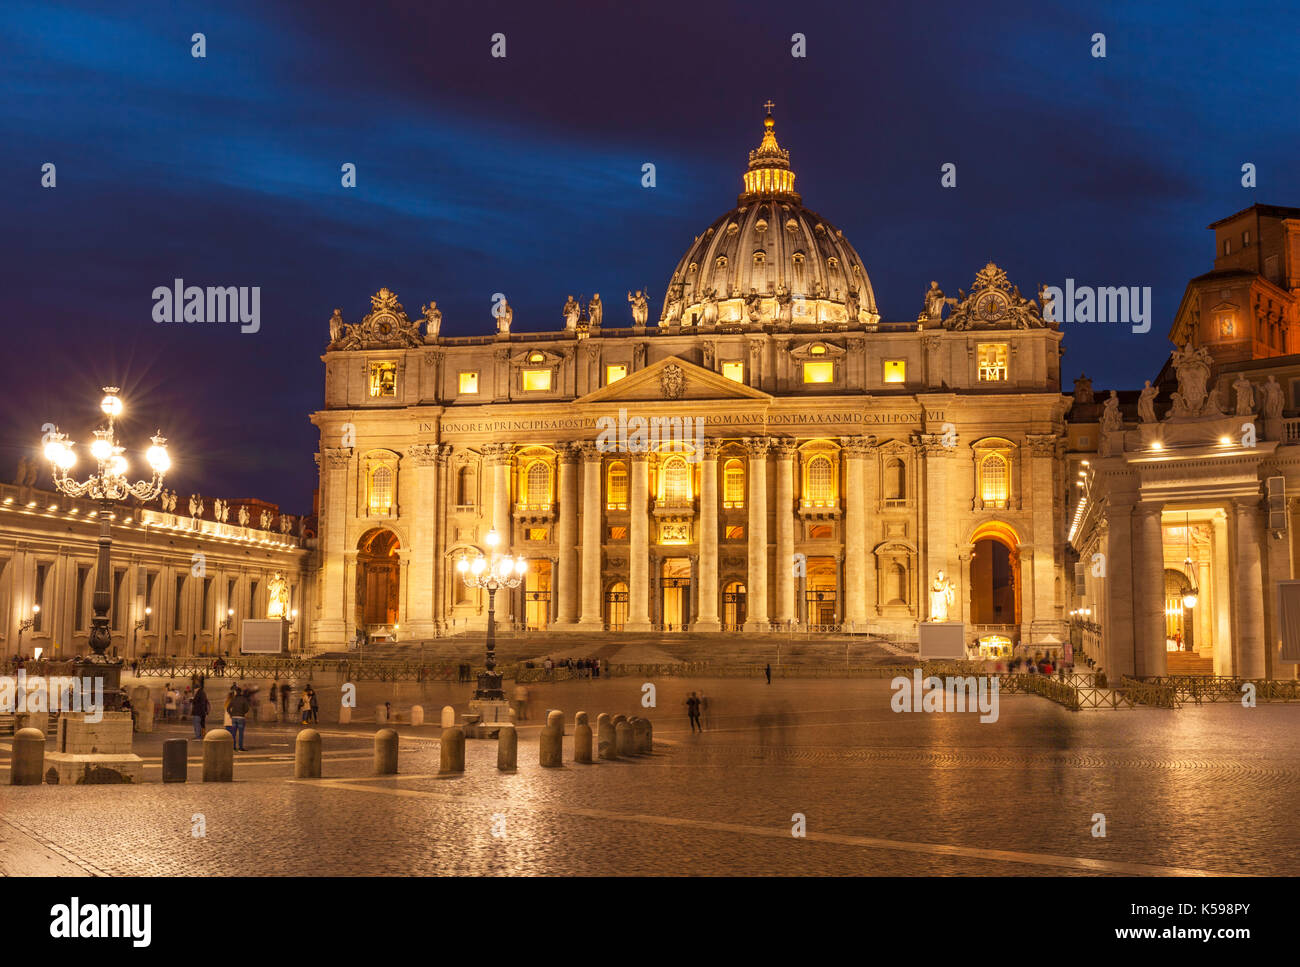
(770, 260)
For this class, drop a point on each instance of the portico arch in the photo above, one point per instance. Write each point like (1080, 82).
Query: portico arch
(378, 579)
(995, 574)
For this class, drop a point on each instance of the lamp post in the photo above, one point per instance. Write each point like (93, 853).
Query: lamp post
(26, 625)
(107, 484)
(490, 575)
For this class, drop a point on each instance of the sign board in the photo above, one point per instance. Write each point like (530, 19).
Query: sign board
(942, 639)
(264, 636)
(1288, 611)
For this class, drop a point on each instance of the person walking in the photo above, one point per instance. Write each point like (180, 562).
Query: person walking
(304, 709)
(314, 705)
(200, 712)
(169, 702)
(705, 717)
(239, 708)
(768, 672)
(693, 712)
(284, 700)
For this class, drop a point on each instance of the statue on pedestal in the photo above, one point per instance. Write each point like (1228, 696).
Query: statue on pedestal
(1274, 399)
(640, 307)
(595, 311)
(432, 319)
(1147, 403)
(1245, 391)
(941, 597)
(571, 313)
(505, 316)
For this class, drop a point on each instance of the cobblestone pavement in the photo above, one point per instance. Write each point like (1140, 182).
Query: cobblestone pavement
(1207, 789)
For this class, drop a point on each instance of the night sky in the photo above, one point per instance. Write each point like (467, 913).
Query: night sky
(522, 175)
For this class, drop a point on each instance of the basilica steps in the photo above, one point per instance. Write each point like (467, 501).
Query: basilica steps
(1188, 663)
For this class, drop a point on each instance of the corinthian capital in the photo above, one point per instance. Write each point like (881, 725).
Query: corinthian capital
(496, 453)
(757, 445)
(423, 454)
(858, 446)
(785, 448)
(336, 458)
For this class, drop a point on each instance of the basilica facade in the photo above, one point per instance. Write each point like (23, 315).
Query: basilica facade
(770, 453)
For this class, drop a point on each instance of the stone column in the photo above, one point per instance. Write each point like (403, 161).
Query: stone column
(442, 501)
(1149, 592)
(854, 592)
(331, 628)
(1042, 611)
(1248, 601)
(638, 507)
(707, 619)
(419, 506)
(593, 618)
(498, 458)
(940, 540)
(1117, 628)
(785, 453)
(566, 537)
(1224, 634)
(756, 587)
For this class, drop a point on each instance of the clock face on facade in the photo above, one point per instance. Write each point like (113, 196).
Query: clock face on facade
(992, 306)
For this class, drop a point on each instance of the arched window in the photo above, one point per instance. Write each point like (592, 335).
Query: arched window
(616, 487)
(995, 479)
(896, 587)
(465, 486)
(539, 484)
(381, 492)
(733, 484)
(677, 481)
(895, 479)
(821, 481)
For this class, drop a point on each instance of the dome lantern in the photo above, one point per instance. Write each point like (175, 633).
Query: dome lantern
(769, 166)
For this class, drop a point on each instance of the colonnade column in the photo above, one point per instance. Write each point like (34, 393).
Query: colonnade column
(785, 452)
(1249, 587)
(592, 532)
(1224, 635)
(331, 627)
(638, 506)
(707, 618)
(1148, 552)
(1117, 583)
(566, 536)
(1042, 613)
(940, 541)
(441, 599)
(855, 532)
(756, 590)
(417, 582)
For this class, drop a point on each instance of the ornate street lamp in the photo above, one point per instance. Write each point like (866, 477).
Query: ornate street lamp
(490, 575)
(109, 483)
(26, 625)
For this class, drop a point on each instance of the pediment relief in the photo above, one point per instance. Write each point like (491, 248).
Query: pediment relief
(536, 357)
(812, 351)
(673, 379)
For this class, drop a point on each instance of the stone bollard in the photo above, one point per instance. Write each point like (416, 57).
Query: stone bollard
(175, 760)
(581, 738)
(640, 736)
(345, 715)
(27, 762)
(623, 738)
(144, 713)
(417, 714)
(555, 720)
(507, 748)
(218, 756)
(448, 717)
(606, 737)
(386, 752)
(40, 721)
(381, 715)
(551, 750)
(451, 748)
(306, 755)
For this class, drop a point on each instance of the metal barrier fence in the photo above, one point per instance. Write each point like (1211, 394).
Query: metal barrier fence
(1223, 688)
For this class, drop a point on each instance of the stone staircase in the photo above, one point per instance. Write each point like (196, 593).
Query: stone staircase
(1188, 663)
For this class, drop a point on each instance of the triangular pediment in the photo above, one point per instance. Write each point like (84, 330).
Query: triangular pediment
(659, 382)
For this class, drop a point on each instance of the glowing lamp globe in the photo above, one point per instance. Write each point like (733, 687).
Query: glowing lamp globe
(101, 449)
(111, 405)
(1189, 600)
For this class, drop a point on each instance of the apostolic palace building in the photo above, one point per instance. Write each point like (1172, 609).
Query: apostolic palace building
(770, 453)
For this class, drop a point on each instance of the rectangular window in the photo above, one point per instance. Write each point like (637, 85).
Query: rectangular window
(207, 604)
(734, 370)
(178, 609)
(614, 372)
(537, 380)
(231, 587)
(992, 362)
(1245, 239)
(117, 610)
(537, 533)
(618, 533)
(83, 578)
(383, 379)
(820, 532)
(150, 603)
(42, 572)
(895, 371)
(736, 532)
(822, 371)
(252, 599)
(1227, 246)
(469, 383)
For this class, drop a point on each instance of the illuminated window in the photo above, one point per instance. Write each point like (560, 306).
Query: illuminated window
(538, 484)
(895, 371)
(537, 533)
(383, 379)
(734, 370)
(992, 362)
(736, 532)
(820, 532)
(616, 487)
(760, 257)
(821, 482)
(995, 478)
(733, 484)
(1227, 324)
(381, 492)
(469, 382)
(821, 372)
(615, 372)
(537, 380)
(817, 350)
(536, 358)
(618, 533)
(677, 481)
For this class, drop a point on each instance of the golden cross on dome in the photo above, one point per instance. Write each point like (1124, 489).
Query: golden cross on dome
(769, 105)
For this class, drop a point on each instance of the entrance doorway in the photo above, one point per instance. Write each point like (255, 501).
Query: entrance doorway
(1180, 629)
(821, 592)
(378, 580)
(995, 579)
(616, 607)
(733, 606)
(537, 596)
(675, 587)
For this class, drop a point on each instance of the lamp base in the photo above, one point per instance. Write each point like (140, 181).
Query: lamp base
(489, 687)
